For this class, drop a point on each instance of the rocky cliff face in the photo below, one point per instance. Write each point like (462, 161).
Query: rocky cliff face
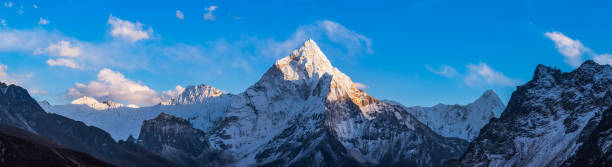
(597, 147)
(19, 110)
(305, 112)
(547, 120)
(175, 139)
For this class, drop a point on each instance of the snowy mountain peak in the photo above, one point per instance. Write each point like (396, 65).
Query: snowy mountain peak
(44, 102)
(85, 100)
(590, 66)
(194, 94)
(488, 98)
(304, 62)
(543, 72)
(95, 104)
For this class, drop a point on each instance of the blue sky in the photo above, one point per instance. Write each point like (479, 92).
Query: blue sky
(419, 52)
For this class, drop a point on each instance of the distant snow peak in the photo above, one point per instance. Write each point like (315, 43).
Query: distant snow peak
(194, 94)
(95, 104)
(462, 121)
(488, 97)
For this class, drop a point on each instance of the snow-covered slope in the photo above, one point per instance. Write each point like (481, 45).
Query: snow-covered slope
(462, 121)
(122, 122)
(546, 120)
(305, 112)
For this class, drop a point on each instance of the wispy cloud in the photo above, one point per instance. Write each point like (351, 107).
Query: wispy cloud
(61, 48)
(351, 42)
(20, 11)
(12, 78)
(574, 51)
(43, 21)
(2, 22)
(129, 30)
(481, 74)
(63, 62)
(603, 59)
(360, 85)
(209, 13)
(444, 70)
(180, 15)
(114, 85)
(166, 95)
(8, 4)
(38, 92)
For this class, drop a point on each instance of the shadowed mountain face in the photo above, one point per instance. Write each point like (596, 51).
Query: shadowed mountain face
(19, 110)
(547, 120)
(175, 139)
(597, 147)
(22, 148)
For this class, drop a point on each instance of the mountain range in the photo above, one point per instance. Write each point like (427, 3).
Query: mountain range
(305, 112)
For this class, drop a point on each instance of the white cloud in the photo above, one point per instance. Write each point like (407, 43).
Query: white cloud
(351, 42)
(573, 50)
(110, 53)
(61, 48)
(481, 74)
(114, 85)
(38, 92)
(180, 15)
(444, 70)
(340, 34)
(209, 14)
(8, 4)
(166, 95)
(20, 11)
(128, 30)
(2, 22)
(35, 6)
(3, 69)
(43, 21)
(63, 62)
(11, 78)
(603, 59)
(360, 85)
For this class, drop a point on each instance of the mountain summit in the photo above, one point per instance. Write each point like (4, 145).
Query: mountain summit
(303, 111)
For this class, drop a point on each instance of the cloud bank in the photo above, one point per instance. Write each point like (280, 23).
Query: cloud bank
(114, 85)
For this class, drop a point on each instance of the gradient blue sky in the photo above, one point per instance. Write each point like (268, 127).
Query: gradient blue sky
(397, 49)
